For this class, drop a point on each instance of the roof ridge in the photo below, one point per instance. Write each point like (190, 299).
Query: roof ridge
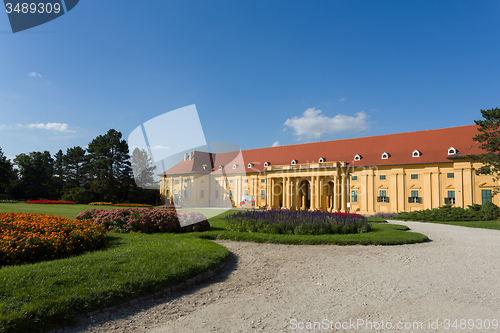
(363, 137)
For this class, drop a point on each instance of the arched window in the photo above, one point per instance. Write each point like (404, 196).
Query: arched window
(385, 155)
(416, 153)
(357, 157)
(452, 151)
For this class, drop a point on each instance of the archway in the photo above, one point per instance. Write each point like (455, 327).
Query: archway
(304, 195)
(278, 194)
(328, 196)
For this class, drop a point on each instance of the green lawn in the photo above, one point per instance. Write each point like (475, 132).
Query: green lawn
(54, 292)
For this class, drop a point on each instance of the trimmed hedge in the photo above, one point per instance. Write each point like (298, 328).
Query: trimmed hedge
(486, 212)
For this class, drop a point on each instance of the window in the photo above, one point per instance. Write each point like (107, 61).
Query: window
(485, 196)
(414, 197)
(383, 197)
(452, 151)
(167, 181)
(167, 193)
(202, 181)
(185, 193)
(176, 181)
(322, 159)
(216, 194)
(354, 178)
(293, 162)
(221, 167)
(416, 153)
(246, 192)
(385, 156)
(262, 180)
(414, 176)
(382, 177)
(357, 157)
(216, 181)
(266, 164)
(176, 198)
(202, 194)
(450, 199)
(235, 166)
(450, 175)
(246, 180)
(262, 194)
(231, 181)
(250, 165)
(354, 196)
(230, 194)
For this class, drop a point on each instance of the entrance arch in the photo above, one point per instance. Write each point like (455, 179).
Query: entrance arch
(329, 195)
(304, 195)
(278, 194)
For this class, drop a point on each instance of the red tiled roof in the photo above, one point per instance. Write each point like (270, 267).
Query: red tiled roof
(432, 144)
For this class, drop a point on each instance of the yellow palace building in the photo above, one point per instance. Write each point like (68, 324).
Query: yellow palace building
(386, 173)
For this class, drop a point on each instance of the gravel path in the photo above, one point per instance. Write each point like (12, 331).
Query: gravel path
(274, 288)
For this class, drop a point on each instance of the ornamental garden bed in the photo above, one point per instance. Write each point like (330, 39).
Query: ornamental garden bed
(28, 238)
(146, 220)
(296, 222)
(48, 202)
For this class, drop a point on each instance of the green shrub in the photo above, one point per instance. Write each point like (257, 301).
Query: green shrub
(488, 211)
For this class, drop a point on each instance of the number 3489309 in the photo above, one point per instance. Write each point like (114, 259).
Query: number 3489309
(33, 8)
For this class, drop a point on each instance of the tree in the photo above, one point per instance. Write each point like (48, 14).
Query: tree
(109, 167)
(143, 169)
(489, 139)
(59, 172)
(35, 175)
(7, 174)
(76, 174)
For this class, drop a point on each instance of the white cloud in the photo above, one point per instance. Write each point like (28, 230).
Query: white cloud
(343, 99)
(60, 127)
(276, 143)
(313, 123)
(34, 74)
(160, 147)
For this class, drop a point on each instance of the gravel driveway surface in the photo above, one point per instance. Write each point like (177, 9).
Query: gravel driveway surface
(285, 288)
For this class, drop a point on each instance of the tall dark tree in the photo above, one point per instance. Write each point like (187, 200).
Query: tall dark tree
(76, 174)
(109, 167)
(143, 169)
(7, 174)
(36, 175)
(59, 172)
(489, 139)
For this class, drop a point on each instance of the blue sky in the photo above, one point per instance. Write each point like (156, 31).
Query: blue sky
(259, 72)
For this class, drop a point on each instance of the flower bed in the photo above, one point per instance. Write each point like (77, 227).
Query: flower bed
(131, 205)
(32, 238)
(48, 202)
(297, 222)
(146, 220)
(100, 204)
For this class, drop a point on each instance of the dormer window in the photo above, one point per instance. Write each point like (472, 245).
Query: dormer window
(221, 167)
(321, 160)
(250, 165)
(266, 164)
(235, 166)
(357, 157)
(294, 162)
(416, 153)
(385, 155)
(204, 166)
(452, 151)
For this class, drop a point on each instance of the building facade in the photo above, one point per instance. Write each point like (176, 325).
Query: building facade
(388, 173)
